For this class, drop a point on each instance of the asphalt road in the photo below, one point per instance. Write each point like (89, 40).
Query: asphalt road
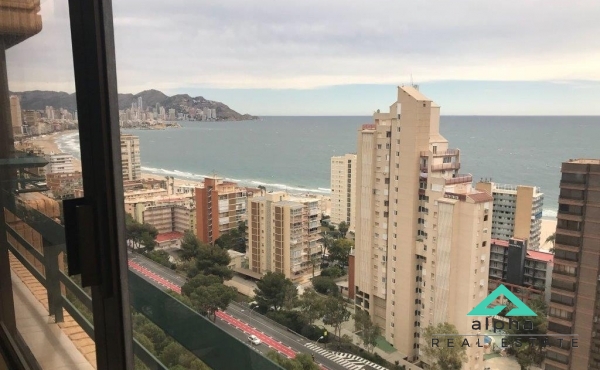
(240, 322)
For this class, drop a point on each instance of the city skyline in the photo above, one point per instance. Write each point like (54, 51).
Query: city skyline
(262, 59)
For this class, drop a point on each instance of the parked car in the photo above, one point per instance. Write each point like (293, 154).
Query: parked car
(254, 340)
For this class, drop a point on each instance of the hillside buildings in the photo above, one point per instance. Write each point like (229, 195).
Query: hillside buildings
(283, 236)
(220, 206)
(526, 273)
(517, 212)
(130, 157)
(417, 218)
(343, 184)
(573, 305)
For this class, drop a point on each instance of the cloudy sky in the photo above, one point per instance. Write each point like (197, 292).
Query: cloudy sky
(332, 57)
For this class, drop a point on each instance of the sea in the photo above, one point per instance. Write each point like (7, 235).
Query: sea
(293, 153)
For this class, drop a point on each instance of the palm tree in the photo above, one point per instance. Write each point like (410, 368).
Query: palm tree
(551, 239)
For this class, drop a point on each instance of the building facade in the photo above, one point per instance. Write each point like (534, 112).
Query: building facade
(517, 212)
(130, 157)
(283, 236)
(220, 207)
(416, 218)
(574, 307)
(60, 163)
(169, 216)
(343, 183)
(16, 116)
(526, 273)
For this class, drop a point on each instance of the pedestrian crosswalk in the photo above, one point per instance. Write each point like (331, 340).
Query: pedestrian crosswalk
(358, 358)
(351, 362)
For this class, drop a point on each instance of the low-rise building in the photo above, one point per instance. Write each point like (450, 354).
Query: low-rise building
(526, 273)
(283, 236)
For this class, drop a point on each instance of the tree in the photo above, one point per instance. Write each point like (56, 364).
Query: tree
(551, 239)
(306, 362)
(160, 257)
(302, 361)
(190, 245)
(233, 239)
(216, 297)
(447, 354)
(367, 331)
(521, 328)
(333, 272)
(141, 236)
(343, 228)
(212, 260)
(336, 314)
(340, 251)
(207, 294)
(311, 306)
(325, 285)
(274, 290)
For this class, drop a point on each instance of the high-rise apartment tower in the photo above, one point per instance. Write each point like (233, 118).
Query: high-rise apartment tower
(422, 231)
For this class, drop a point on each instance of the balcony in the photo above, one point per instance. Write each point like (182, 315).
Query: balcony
(445, 166)
(460, 179)
(39, 269)
(444, 153)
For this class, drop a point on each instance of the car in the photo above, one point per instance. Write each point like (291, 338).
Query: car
(254, 340)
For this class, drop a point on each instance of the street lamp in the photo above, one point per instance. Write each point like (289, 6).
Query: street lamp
(317, 341)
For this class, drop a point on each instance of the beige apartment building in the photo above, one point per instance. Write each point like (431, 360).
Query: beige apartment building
(283, 236)
(16, 116)
(574, 307)
(220, 207)
(517, 212)
(130, 157)
(422, 231)
(343, 182)
(168, 216)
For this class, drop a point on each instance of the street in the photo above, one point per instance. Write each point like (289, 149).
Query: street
(240, 322)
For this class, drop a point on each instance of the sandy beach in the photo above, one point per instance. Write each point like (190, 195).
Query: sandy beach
(548, 228)
(49, 146)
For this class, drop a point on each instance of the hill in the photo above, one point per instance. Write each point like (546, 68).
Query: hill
(38, 100)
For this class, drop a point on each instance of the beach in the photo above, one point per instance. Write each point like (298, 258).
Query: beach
(49, 146)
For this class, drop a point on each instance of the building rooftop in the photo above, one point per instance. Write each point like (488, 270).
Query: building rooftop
(480, 197)
(584, 161)
(501, 243)
(174, 235)
(414, 93)
(540, 256)
(234, 254)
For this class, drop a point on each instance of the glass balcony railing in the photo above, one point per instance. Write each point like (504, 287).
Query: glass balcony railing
(194, 332)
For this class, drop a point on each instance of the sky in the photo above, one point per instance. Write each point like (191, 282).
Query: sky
(334, 57)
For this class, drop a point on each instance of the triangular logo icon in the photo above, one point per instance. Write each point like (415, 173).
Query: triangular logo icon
(520, 309)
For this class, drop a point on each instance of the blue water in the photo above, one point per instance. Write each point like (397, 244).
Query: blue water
(293, 152)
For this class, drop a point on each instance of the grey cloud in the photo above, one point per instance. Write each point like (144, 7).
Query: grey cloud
(240, 43)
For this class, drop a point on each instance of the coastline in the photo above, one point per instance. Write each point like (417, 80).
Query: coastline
(49, 146)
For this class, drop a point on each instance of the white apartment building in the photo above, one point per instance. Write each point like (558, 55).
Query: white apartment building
(343, 183)
(130, 157)
(422, 231)
(60, 163)
(283, 235)
(517, 212)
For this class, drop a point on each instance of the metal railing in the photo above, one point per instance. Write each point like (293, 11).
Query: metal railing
(214, 346)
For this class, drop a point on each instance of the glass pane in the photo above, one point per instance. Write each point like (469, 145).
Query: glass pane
(39, 170)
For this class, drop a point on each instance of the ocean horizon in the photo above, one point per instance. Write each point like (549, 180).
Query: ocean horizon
(293, 152)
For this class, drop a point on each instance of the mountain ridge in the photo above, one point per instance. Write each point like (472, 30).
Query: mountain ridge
(39, 99)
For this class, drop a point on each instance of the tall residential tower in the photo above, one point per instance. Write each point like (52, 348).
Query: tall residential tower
(130, 157)
(343, 183)
(517, 212)
(574, 307)
(417, 220)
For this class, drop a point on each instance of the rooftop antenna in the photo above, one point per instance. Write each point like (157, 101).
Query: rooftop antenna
(416, 87)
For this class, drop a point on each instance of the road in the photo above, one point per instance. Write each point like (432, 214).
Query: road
(240, 322)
